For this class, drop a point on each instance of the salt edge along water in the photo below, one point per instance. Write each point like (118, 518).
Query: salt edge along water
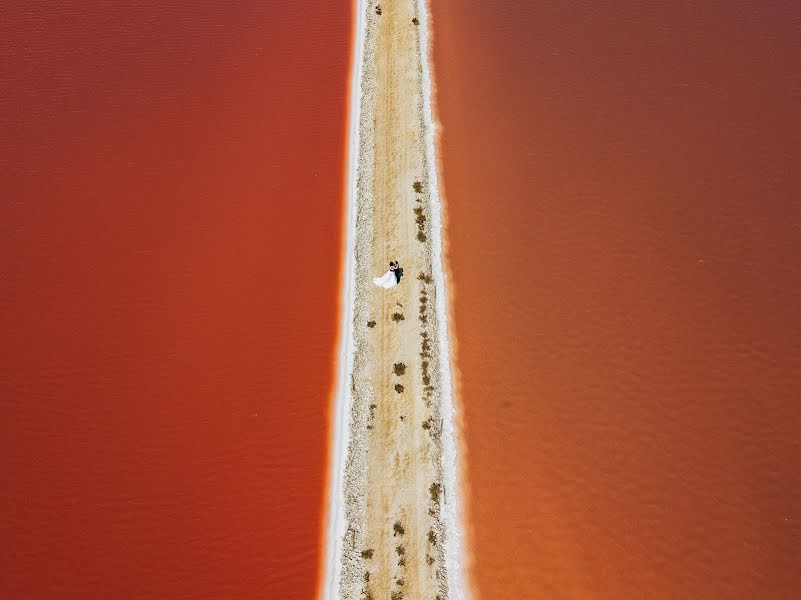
(340, 432)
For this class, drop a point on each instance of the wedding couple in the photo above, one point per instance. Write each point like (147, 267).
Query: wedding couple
(391, 278)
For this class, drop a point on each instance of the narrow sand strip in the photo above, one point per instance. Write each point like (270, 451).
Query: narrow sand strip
(393, 518)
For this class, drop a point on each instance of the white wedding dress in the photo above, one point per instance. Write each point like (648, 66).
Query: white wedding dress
(388, 280)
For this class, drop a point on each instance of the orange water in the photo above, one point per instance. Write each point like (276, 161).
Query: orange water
(171, 182)
(623, 189)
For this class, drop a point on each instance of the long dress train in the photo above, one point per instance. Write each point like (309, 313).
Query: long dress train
(386, 281)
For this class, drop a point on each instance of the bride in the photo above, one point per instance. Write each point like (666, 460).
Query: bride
(388, 279)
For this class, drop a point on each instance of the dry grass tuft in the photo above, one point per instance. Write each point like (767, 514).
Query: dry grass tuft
(367, 553)
(435, 490)
(399, 369)
(432, 537)
(397, 317)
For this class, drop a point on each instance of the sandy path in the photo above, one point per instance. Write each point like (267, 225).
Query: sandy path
(392, 535)
(400, 466)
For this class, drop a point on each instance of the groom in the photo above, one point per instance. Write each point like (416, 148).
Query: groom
(393, 266)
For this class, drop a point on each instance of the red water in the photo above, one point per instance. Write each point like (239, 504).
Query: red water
(623, 185)
(171, 180)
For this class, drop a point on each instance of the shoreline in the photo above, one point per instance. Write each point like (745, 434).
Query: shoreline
(384, 469)
(334, 518)
(456, 553)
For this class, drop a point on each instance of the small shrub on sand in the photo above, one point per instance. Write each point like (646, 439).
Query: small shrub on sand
(421, 237)
(378, 10)
(398, 529)
(367, 553)
(415, 21)
(371, 324)
(400, 550)
(367, 576)
(399, 388)
(425, 278)
(429, 560)
(402, 562)
(435, 490)
(432, 537)
(399, 369)
(417, 186)
(400, 582)
(397, 317)
(396, 596)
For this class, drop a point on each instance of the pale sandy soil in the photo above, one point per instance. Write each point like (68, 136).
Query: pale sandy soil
(394, 492)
